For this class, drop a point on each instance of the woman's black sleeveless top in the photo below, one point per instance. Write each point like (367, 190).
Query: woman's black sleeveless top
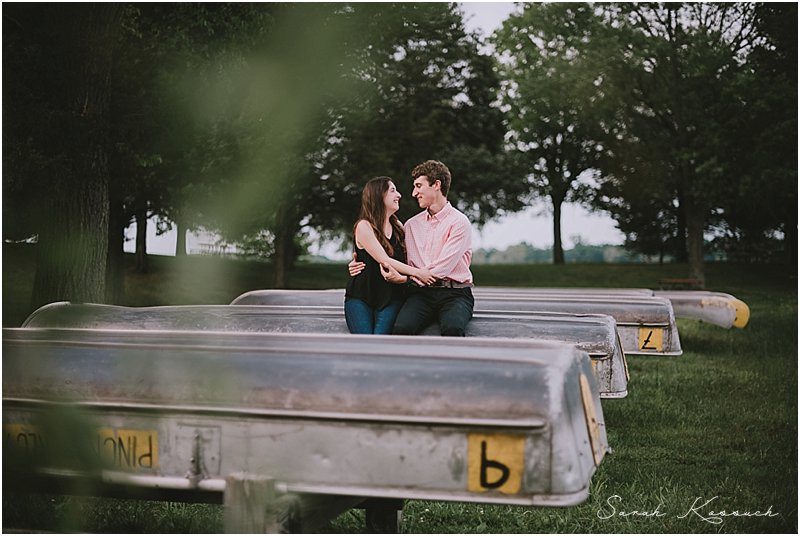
(369, 285)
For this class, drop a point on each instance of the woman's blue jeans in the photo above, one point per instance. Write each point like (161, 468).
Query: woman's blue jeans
(361, 318)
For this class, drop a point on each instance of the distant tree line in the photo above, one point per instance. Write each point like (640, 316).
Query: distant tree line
(524, 253)
(262, 121)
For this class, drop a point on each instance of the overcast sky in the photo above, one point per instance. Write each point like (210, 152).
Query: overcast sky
(486, 16)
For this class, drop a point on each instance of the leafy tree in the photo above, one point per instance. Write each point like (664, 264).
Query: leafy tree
(57, 134)
(764, 149)
(679, 64)
(161, 152)
(231, 100)
(168, 140)
(403, 92)
(554, 93)
(422, 91)
(286, 89)
(643, 209)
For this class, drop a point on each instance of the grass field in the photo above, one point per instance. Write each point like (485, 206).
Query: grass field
(715, 428)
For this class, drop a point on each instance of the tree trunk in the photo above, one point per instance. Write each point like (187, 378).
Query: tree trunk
(284, 258)
(180, 242)
(73, 243)
(558, 250)
(115, 265)
(695, 226)
(141, 241)
(285, 252)
(680, 233)
(790, 243)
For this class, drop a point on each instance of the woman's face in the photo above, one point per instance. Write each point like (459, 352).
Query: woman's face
(391, 199)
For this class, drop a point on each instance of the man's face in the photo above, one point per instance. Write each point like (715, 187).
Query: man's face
(424, 192)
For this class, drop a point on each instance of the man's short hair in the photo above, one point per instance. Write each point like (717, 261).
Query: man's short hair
(435, 171)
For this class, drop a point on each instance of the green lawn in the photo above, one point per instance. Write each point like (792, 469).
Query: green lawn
(717, 424)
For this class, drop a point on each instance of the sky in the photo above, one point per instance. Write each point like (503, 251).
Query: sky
(533, 225)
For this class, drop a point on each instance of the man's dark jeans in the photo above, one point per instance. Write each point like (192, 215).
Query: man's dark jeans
(451, 307)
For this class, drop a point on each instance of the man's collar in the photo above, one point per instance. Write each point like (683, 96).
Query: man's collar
(441, 214)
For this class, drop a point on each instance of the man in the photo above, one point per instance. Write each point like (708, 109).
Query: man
(440, 239)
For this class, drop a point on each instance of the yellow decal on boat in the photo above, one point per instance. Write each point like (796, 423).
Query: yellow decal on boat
(495, 462)
(651, 339)
(742, 314)
(120, 448)
(592, 426)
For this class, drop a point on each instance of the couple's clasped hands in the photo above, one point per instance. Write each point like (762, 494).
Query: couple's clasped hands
(422, 276)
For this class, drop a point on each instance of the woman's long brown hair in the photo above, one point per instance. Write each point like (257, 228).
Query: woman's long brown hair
(374, 211)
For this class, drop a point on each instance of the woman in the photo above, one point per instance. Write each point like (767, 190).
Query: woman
(371, 303)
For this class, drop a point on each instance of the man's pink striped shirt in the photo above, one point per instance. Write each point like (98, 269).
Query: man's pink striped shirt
(441, 243)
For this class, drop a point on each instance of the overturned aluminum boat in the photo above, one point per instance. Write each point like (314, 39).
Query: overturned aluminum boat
(717, 308)
(646, 324)
(508, 421)
(596, 334)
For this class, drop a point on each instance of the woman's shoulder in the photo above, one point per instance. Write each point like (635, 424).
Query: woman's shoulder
(364, 232)
(363, 226)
